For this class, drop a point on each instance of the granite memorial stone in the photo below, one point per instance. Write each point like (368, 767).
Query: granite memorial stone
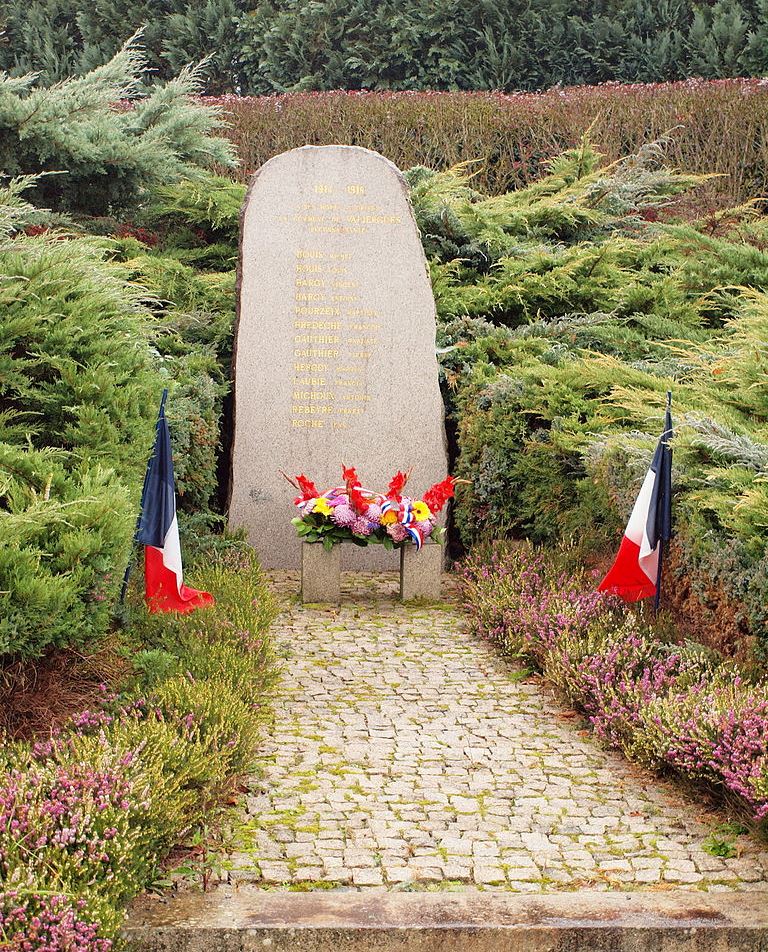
(335, 343)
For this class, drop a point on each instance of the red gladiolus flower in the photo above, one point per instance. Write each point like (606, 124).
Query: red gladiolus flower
(358, 500)
(349, 476)
(307, 487)
(396, 486)
(439, 494)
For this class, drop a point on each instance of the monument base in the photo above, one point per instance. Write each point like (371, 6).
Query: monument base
(320, 574)
(420, 572)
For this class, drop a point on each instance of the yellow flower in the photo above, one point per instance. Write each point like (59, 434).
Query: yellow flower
(389, 517)
(421, 511)
(321, 506)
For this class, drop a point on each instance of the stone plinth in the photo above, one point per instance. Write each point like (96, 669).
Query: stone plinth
(335, 343)
(320, 573)
(421, 572)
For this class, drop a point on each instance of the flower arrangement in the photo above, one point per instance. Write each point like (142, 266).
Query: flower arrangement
(350, 513)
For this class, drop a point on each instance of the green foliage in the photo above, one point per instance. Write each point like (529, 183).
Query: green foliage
(77, 400)
(265, 46)
(61, 38)
(210, 203)
(99, 155)
(92, 331)
(563, 330)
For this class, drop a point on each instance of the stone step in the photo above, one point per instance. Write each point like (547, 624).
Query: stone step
(248, 919)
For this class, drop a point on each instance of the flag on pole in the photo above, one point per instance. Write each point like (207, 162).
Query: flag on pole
(636, 573)
(158, 531)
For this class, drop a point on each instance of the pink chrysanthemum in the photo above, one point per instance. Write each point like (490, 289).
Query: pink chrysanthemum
(361, 526)
(426, 528)
(397, 532)
(344, 515)
(374, 514)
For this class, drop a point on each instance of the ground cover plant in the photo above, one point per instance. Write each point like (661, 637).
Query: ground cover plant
(88, 814)
(83, 357)
(667, 704)
(568, 311)
(90, 809)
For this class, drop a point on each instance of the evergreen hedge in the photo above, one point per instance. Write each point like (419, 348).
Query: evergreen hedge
(88, 340)
(78, 394)
(261, 46)
(567, 311)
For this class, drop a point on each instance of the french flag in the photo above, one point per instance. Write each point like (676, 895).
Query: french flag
(158, 531)
(636, 573)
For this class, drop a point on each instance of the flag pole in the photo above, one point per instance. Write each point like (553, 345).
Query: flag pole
(127, 575)
(662, 540)
(657, 596)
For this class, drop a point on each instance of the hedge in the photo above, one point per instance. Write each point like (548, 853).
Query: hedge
(83, 361)
(566, 313)
(715, 126)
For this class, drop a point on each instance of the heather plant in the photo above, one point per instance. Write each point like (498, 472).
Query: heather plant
(614, 669)
(32, 920)
(69, 826)
(88, 814)
(717, 730)
(663, 702)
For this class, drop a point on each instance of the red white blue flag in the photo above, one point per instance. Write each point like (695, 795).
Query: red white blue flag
(636, 573)
(158, 531)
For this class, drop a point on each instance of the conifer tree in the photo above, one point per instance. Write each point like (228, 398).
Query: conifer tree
(104, 158)
(717, 39)
(755, 57)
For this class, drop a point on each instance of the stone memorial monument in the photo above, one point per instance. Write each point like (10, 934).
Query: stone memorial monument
(335, 343)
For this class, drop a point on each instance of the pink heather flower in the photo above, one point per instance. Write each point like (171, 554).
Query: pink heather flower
(344, 515)
(397, 532)
(361, 526)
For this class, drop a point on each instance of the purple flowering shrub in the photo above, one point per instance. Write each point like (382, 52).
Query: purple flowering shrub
(88, 814)
(47, 923)
(68, 826)
(660, 702)
(613, 671)
(717, 731)
(526, 601)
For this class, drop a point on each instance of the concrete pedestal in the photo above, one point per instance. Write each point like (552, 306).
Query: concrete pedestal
(320, 573)
(420, 572)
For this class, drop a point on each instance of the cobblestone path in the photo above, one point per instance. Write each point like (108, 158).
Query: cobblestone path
(407, 754)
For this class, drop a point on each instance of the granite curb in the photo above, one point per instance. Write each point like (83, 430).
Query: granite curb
(248, 919)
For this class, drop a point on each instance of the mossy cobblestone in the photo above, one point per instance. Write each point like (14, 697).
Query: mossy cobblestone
(407, 754)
